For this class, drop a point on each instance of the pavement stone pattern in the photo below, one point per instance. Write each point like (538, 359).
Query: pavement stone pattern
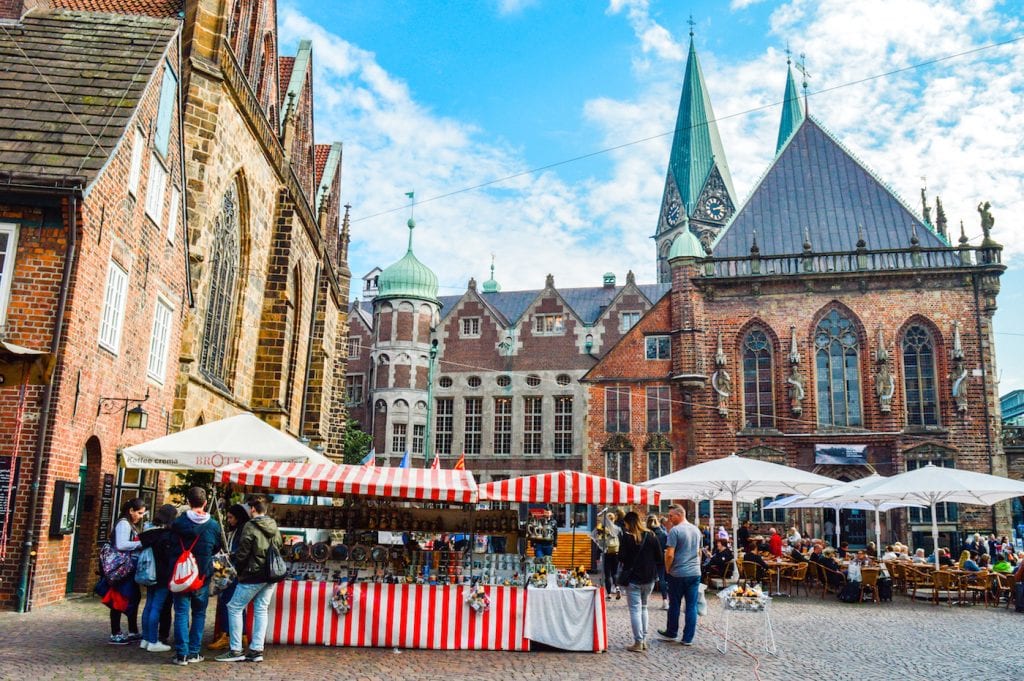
(817, 640)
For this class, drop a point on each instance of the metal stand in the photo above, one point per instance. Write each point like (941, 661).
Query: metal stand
(769, 632)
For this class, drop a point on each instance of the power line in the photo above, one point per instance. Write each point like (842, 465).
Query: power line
(745, 112)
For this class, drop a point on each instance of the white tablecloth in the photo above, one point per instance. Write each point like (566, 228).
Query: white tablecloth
(562, 618)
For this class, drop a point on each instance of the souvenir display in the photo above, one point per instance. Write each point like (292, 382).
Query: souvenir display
(744, 598)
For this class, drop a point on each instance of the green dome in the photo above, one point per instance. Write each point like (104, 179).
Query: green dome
(491, 285)
(686, 245)
(408, 278)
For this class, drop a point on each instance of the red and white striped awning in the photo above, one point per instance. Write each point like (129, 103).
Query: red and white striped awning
(565, 487)
(423, 484)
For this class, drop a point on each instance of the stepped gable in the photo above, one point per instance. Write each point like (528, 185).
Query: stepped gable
(815, 185)
(99, 63)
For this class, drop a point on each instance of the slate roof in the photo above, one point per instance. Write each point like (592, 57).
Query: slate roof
(152, 8)
(815, 184)
(588, 303)
(99, 64)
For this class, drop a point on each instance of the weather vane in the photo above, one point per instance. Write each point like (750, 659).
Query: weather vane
(412, 203)
(801, 66)
(789, 54)
(692, 23)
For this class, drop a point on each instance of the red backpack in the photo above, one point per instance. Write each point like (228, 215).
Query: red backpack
(185, 577)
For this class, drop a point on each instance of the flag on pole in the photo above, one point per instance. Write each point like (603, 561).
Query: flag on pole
(435, 465)
(410, 194)
(370, 459)
(405, 460)
(460, 465)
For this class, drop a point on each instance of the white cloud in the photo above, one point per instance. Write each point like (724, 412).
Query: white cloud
(507, 7)
(743, 4)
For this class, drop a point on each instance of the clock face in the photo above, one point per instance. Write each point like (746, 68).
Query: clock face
(673, 212)
(715, 208)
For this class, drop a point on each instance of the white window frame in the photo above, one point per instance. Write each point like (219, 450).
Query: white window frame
(156, 183)
(7, 273)
(114, 300)
(160, 340)
(548, 324)
(353, 348)
(172, 216)
(470, 327)
(135, 169)
(628, 314)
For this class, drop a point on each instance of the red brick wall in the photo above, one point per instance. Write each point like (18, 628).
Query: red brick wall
(11, 9)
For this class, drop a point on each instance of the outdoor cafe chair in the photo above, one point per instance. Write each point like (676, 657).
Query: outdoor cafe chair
(979, 584)
(869, 582)
(944, 581)
(917, 577)
(797, 576)
(899, 582)
(831, 580)
(1003, 588)
(750, 573)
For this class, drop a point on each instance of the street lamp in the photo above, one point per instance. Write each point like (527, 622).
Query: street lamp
(135, 418)
(430, 403)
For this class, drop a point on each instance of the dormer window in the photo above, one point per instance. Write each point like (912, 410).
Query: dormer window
(548, 324)
(470, 327)
(627, 320)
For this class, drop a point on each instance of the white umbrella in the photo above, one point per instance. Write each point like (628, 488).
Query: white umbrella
(238, 438)
(846, 495)
(737, 479)
(931, 485)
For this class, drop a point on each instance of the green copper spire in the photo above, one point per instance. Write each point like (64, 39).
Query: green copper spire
(408, 278)
(492, 286)
(696, 146)
(792, 112)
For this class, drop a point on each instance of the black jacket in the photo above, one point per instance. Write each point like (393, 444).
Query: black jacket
(641, 560)
(165, 551)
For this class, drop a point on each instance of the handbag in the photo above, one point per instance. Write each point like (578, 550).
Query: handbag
(115, 565)
(702, 601)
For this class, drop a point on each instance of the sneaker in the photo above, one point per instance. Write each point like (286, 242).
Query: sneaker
(637, 647)
(158, 647)
(192, 659)
(118, 640)
(231, 656)
(134, 637)
(254, 656)
(222, 642)
(144, 644)
(664, 605)
(665, 636)
(179, 660)
(687, 643)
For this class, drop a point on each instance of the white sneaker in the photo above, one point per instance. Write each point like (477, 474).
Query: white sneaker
(144, 644)
(158, 647)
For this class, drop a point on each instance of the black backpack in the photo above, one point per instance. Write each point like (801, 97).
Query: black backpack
(850, 593)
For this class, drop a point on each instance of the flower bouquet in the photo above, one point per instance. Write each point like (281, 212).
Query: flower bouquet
(341, 599)
(539, 579)
(477, 598)
(747, 598)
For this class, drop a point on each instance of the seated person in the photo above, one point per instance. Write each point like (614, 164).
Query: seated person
(890, 553)
(843, 550)
(984, 562)
(835, 570)
(946, 560)
(919, 556)
(752, 556)
(816, 553)
(717, 561)
(1002, 566)
(797, 557)
(967, 563)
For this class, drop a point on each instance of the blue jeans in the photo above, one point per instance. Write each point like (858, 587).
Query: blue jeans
(188, 638)
(680, 589)
(156, 596)
(541, 549)
(636, 597)
(260, 595)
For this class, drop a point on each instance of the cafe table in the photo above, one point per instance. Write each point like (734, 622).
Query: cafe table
(778, 566)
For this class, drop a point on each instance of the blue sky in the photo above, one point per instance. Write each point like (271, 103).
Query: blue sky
(437, 97)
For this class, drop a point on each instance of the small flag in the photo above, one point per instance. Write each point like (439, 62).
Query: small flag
(405, 460)
(370, 459)
(435, 465)
(460, 465)
(410, 194)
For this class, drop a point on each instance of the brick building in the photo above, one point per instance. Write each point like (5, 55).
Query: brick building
(92, 277)
(826, 326)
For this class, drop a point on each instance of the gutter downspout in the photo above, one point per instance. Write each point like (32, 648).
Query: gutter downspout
(23, 588)
(309, 351)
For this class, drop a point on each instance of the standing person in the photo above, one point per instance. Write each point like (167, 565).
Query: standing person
(196, 529)
(608, 535)
(124, 596)
(662, 536)
(743, 534)
(639, 555)
(156, 616)
(237, 517)
(544, 544)
(682, 562)
(258, 535)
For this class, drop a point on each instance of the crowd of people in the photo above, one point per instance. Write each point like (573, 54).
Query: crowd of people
(184, 547)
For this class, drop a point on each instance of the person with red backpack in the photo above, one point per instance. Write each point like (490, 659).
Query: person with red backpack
(199, 538)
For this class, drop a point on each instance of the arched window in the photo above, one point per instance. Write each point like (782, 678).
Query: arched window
(758, 398)
(221, 300)
(919, 377)
(837, 360)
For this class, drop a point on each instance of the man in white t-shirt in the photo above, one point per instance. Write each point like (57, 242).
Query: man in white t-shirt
(682, 567)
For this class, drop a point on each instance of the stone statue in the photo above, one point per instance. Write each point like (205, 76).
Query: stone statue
(796, 389)
(925, 208)
(986, 218)
(722, 383)
(885, 387)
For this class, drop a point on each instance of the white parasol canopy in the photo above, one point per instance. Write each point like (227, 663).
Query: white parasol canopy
(931, 485)
(738, 479)
(204, 448)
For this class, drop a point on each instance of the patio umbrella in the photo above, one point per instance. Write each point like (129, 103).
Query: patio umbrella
(737, 479)
(846, 495)
(931, 485)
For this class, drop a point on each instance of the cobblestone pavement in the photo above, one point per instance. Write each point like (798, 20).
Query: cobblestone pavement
(816, 639)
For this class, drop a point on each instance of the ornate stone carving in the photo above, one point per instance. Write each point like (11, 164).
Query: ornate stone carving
(959, 376)
(721, 381)
(795, 381)
(987, 221)
(885, 384)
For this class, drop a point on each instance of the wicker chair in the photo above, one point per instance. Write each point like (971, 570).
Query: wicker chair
(980, 585)
(917, 577)
(869, 582)
(753, 573)
(899, 581)
(945, 581)
(831, 580)
(797, 576)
